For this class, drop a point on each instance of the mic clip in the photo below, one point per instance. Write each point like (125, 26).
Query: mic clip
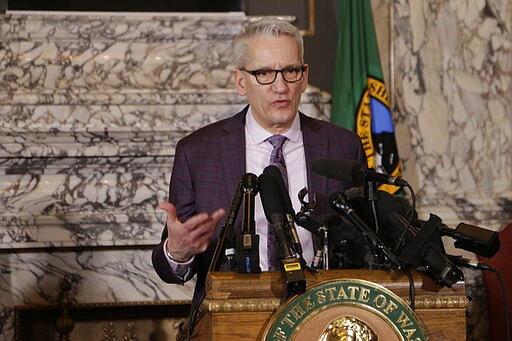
(306, 206)
(293, 272)
(304, 219)
(248, 260)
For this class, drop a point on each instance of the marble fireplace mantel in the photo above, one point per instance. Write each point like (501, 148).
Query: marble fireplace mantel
(91, 108)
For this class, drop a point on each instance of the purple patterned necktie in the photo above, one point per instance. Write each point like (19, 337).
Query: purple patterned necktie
(276, 159)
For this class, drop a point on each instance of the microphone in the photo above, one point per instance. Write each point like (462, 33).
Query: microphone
(472, 238)
(469, 263)
(291, 262)
(232, 213)
(340, 203)
(274, 212)
(249, 190)
(391, 212)
(226, 236)
(349, 247)
(425, 249)
(418, 247)
(226, 241)
(248, 241)
(303, 217)
(312, 225)
(274, 172)
(351, 171)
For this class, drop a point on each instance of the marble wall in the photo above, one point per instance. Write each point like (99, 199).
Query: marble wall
(452, 66)
(91, 106)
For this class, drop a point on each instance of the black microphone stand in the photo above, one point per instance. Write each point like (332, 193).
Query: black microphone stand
(247, 242)
(372, 197)
(303, 218)
(225, 237)
(325, 247)
(226, 234)
(340, 203)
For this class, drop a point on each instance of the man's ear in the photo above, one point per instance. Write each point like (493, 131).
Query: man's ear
(240, 82)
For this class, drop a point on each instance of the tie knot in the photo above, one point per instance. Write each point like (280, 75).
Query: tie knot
(277, 141)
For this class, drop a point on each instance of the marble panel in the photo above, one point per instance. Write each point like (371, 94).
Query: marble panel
(453, 73)
(95, 51)
(93, 175)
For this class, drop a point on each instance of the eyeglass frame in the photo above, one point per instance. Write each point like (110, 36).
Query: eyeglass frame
(254, 72)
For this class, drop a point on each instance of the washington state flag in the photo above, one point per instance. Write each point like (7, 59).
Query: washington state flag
(360, 99)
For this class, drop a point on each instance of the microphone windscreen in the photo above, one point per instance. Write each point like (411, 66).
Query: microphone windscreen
(388, 203)
(393, 213)
(349, 171)
(270, 196)
(348, 247)
(274, 172)
(355, 193)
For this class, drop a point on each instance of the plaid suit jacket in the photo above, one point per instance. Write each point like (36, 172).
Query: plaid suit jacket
(210, 162)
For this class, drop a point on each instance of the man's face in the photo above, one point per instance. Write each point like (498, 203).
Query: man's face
(274, 106)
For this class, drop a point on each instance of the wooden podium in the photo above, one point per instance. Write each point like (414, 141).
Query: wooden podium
(240, 306)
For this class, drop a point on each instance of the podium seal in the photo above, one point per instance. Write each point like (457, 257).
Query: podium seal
(345, 309)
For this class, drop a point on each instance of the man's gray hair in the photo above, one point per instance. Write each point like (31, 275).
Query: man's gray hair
(267, 26)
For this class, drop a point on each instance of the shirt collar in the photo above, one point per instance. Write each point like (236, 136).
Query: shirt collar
(256, 134)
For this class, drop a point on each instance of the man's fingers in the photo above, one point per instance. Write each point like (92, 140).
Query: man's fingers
(204, 222)
(196, 221)
(202, 227)
(170, 209)
(195, 233)
(217, 215)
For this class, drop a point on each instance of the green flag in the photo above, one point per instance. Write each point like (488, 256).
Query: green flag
(360, 99)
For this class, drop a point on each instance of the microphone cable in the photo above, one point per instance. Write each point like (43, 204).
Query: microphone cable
(472, 264)
(409, 221)
(412, 289)
(193, 316)
(506, 307)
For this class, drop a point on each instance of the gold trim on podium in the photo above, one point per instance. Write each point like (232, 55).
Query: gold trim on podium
(272, 304)
(240, 305)
(435, 302)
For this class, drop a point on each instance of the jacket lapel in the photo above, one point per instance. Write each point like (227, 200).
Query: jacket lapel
(232, 150)
(315, 146)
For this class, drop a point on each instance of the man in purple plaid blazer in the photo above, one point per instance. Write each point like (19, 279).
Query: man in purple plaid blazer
(210, 162)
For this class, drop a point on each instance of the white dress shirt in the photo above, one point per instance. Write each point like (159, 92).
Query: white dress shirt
(257, 154)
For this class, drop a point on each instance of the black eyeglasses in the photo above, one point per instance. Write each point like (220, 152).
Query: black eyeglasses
(291, 74)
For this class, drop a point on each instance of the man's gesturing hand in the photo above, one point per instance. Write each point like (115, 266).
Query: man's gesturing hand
(191, 237)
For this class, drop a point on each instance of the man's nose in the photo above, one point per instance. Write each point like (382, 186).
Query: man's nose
(280, 84)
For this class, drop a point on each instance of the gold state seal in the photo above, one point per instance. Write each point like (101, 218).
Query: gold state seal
(334, 310)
